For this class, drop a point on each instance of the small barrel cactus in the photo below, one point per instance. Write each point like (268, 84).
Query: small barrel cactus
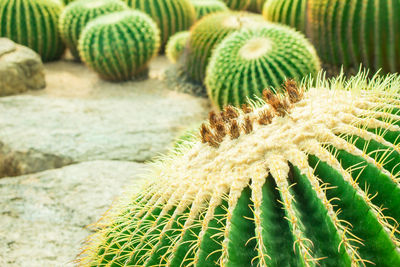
(289, 12)
(303, 179)
(209, 32)
(176, 45)
(171, 16)
(205, 7)
(256, 6)
(33, 23)
(237, 4)
(119, 46)
(251, 60)
(354, 32)
(75, 16)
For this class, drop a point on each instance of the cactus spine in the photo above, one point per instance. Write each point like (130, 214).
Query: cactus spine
(351, 32)
(306, 179)
(207, 33)
(248, 61)
(289, 12)
(119, 46)
(75, 16)
(33, 23)
(171, 16)
(237, 4)
(176, 45)
(205, 7)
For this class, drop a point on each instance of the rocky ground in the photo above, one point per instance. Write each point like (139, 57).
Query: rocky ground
(68, 151)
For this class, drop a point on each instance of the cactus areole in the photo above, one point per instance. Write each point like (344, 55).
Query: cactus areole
(306, 179)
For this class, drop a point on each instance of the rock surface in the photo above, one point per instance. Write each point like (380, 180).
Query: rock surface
(79, 117)
(21, 69)
(43, 216)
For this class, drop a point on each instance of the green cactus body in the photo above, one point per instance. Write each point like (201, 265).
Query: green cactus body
(256, 6)
(119, 46)
(237, 4)
(354, 32)
(176, 45)
(75, 16)
(66, 2)
(207, 33)
(33, 23)
(316, 186)
(171, 16)
(205, 7)
(251, 60)
(289, 12)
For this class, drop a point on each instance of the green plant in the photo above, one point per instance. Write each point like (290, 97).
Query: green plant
(209, 32)
(33, 23)
(256, 6)
(352, 32)
(289, 12)
(251, 60)
(171, 16)
(66, 2)
(176, 45)
(305, 179)
(205, 7)
(119, 46)
(75, 16)
(237, 4)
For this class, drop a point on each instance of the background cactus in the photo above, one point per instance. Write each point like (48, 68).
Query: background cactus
(308, 178)
(119, 46)
(209, 32)
(369, 33)
(171, 16)
(205, 7)
(256, 6)
(289, 12)
(33, 23)
(76, 15)
(176, 45)
(251, 60)
(237, 4)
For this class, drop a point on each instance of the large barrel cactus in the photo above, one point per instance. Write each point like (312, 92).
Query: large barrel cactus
(237, 4)
(351, 32)
(176, 46)
(289, 12)
(119, 46)
(256, 6)
(33, 23)
(171, 16)
(76, 15)
(205, 7)
(209, 32)
(251, 60)
(306, 179)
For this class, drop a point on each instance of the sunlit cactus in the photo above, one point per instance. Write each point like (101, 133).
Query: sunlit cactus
(310, 178)
(256, 6)
(351, 32)
(171, 16)
(205, 7)
(120, 45)
(176, 45)
(289, 12)
(237, 4)
(251, 60)
(33, 23)
(209, 32)
(75, 16)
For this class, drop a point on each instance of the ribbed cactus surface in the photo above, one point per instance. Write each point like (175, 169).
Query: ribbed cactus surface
(256, 6)
(33, 23)
(307, 179)
(209, 32)
(289, 12)
(251, 60)
(119, 46)
(75, 16)
(176, 45)
(237, 4)
(205, 7)
(350, 32)
(171, 16)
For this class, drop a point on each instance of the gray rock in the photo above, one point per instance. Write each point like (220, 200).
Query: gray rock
(80, 118)
(21, 69)
(43, 217)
